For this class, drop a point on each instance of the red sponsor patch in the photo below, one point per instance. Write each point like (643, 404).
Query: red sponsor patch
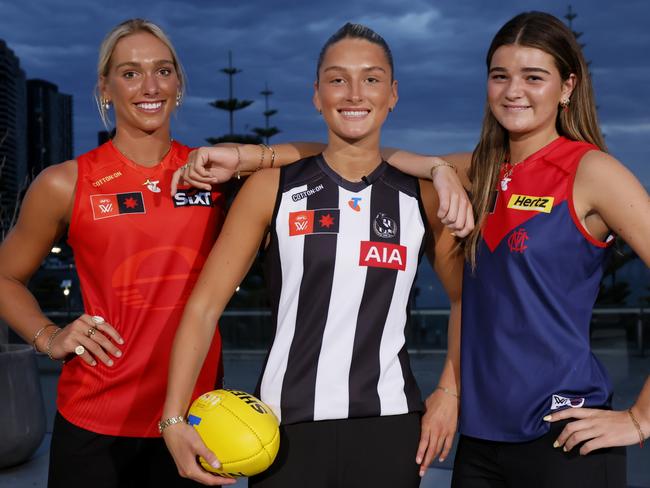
(301, 223)
(382, 255)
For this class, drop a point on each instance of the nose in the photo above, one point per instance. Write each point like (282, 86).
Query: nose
(354, 92)
(150, 85)
(514, 89)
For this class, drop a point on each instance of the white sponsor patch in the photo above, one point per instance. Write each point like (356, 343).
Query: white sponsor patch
(559, 401)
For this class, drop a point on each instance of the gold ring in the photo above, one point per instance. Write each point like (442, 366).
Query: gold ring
(79, 350)
(91, 331)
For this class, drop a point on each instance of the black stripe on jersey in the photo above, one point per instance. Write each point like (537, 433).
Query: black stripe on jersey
(373, 311)
(299, 383)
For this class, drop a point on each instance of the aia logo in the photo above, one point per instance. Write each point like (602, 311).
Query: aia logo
(354, 204)
(382, 255)
(517, 241)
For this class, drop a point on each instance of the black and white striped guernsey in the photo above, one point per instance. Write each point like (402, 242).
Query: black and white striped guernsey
(340, 266)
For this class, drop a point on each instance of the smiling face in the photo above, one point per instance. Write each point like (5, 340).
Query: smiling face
(524, 90)
(355, 90)
(142, 83)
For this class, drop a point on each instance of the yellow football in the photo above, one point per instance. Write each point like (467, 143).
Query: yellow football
(239, 429)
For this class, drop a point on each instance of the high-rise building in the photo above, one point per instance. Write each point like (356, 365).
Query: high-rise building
(49, 115)
(13, 134)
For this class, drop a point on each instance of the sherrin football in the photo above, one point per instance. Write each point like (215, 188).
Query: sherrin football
(239, 429)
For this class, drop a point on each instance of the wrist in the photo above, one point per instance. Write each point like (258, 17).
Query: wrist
(439, 164)
(167, 422)
(50, 342)
(643, 418)
(40, 337)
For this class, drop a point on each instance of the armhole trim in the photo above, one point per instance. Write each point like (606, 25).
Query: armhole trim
(574, 215)
(76, 204)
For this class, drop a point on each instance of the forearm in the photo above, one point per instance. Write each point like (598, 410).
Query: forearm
(21, 311)
(641, 408)
(255, 156)
(418, 165)
(450, 376)
(190, 348)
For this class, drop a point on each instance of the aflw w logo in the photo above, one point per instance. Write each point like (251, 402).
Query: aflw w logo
(106, 207)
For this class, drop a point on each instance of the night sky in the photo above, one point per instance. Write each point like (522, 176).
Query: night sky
(439, 50)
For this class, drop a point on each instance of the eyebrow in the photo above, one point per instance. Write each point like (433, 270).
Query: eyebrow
(525, 70)
(341, 68)
(137, 65)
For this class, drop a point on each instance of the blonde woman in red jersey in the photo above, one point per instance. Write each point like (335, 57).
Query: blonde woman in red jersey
(137, 252)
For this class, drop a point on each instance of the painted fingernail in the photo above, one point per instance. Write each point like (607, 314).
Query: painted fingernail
(109, 362)
(442, 460)
(565, 449)
(215, 464)
(118, 354)
(120, 340)
(547, 418)
(556, 444)
(94, 363)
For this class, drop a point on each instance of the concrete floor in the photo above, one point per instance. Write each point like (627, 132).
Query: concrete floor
(627, 371)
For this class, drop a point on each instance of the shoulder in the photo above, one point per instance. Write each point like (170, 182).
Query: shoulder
(598, 167)
(58, 180)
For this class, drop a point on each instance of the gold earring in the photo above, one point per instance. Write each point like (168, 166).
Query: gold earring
(564, 103)
(179, 99)
(106, 104)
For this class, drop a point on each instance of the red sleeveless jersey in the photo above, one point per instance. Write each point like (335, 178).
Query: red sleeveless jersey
(138, 253)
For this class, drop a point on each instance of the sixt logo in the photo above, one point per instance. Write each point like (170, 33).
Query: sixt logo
(250, 400)
(534, 204)
(192, 198)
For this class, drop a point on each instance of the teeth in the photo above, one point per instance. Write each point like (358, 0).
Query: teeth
(355, 113)
(150, 106)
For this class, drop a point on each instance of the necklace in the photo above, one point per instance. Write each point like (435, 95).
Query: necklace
(152, 185)
(508, 171)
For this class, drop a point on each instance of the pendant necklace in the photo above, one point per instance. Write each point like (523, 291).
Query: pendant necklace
(152, 185)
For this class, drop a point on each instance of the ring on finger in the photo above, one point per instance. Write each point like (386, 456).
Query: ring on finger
(91, 331)
(79, 350)
(97, 319)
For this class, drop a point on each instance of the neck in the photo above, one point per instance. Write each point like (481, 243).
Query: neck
(352, 160)
(145, 149)
(523, 145)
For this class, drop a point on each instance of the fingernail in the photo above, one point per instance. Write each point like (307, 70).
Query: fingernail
(120, 341)
(109, 362)
(441, 460)
(547, 418)
(94, 363)
(556, 444)
(453, 234)
(565, 449)
(215, 464)
(118, 354)
(418, 460)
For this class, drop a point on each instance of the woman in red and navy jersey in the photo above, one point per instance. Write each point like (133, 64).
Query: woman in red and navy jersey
(138, 252)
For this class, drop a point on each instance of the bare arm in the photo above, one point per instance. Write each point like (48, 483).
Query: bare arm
(230, 259)
(44, 217)
(441, 416)
(607, 197)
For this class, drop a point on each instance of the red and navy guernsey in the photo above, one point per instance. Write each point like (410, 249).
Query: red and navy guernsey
(527, 305)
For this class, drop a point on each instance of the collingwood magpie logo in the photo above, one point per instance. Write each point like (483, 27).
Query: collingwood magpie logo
(192, 198)
(384, 226)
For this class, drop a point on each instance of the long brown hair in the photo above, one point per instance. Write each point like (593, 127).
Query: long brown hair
(580, 123)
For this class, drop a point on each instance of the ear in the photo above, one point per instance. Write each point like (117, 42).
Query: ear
(103, 88)
(568, 86)
(316, 98)
(394, 94)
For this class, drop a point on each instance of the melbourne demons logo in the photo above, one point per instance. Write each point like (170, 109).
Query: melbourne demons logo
(382, 255)
(517, 241)
(559, 401)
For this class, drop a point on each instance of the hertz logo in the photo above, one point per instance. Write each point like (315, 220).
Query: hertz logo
(534, 204)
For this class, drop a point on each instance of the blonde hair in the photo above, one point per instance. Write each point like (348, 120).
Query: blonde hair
(579, 123)
(126, 28)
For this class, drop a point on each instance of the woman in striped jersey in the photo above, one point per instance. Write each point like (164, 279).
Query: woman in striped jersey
(343, 232)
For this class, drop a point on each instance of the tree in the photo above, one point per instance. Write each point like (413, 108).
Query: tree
(267, 132)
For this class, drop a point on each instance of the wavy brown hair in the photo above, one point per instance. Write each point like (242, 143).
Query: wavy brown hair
(580, 123)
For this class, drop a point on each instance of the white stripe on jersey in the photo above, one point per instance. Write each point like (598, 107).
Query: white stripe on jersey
(332, 386)
(292, 269)
(391, 378)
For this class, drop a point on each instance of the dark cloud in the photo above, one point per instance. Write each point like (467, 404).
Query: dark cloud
(439, 50)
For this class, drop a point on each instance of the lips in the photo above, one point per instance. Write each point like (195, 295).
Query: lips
(516, 108)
